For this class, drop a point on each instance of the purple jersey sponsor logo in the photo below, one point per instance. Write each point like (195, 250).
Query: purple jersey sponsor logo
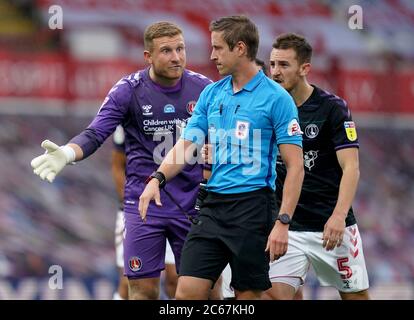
(169, 108)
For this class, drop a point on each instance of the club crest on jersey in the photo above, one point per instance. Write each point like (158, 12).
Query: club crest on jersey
(350, 130)
(294, 128)
(242, 129)
(169, 108)
(190, 107)
(311, 131)
(309, 158)
(146, 110)
(135, 264)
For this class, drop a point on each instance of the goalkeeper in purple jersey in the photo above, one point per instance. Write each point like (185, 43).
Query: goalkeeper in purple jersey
(149, 104)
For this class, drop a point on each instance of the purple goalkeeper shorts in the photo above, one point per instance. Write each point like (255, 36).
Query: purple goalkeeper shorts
(144, 243)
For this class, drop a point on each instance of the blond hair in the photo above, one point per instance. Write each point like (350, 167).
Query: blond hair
(158, 30)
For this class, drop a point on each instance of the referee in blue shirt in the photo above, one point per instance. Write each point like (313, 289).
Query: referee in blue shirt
(248, 119)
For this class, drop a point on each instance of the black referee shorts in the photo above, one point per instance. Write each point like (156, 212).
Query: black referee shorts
(234, 229)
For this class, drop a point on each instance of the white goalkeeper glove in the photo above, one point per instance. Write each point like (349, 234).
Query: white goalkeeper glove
(48, 165)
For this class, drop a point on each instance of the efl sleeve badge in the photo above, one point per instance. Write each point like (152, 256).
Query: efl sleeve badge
(350, 130)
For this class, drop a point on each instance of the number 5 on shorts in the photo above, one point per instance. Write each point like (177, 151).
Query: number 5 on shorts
(342, 267)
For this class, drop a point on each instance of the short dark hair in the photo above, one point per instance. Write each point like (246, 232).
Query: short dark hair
(296, 42)
(158, 30)
(238, 28)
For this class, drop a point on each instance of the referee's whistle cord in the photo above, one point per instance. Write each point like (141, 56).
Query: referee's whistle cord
(192, 219)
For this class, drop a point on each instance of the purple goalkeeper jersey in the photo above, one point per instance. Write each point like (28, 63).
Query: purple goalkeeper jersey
(149, 115)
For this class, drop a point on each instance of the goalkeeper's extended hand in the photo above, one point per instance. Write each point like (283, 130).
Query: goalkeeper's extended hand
(48, 165)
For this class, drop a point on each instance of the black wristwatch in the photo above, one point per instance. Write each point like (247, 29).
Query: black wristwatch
(284, 218)
(159, 176)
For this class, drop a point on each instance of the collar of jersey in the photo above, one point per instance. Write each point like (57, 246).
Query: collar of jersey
(161, 88)
(250, 86)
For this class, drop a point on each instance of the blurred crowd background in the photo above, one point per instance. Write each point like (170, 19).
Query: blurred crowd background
(52, 82)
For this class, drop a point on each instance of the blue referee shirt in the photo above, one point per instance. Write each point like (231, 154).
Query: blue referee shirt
(245, 129)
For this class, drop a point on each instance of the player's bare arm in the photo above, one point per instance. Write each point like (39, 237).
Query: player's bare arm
(292, 156)
(335, 226)
(78, 151)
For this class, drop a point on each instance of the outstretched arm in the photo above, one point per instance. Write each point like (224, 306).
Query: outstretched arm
(111, 113)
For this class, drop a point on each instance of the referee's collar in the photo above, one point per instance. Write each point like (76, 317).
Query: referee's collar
(250, 86)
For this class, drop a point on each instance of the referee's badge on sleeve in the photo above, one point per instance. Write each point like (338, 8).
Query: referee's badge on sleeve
(242, 129)
(294, 128)
(350, 130)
